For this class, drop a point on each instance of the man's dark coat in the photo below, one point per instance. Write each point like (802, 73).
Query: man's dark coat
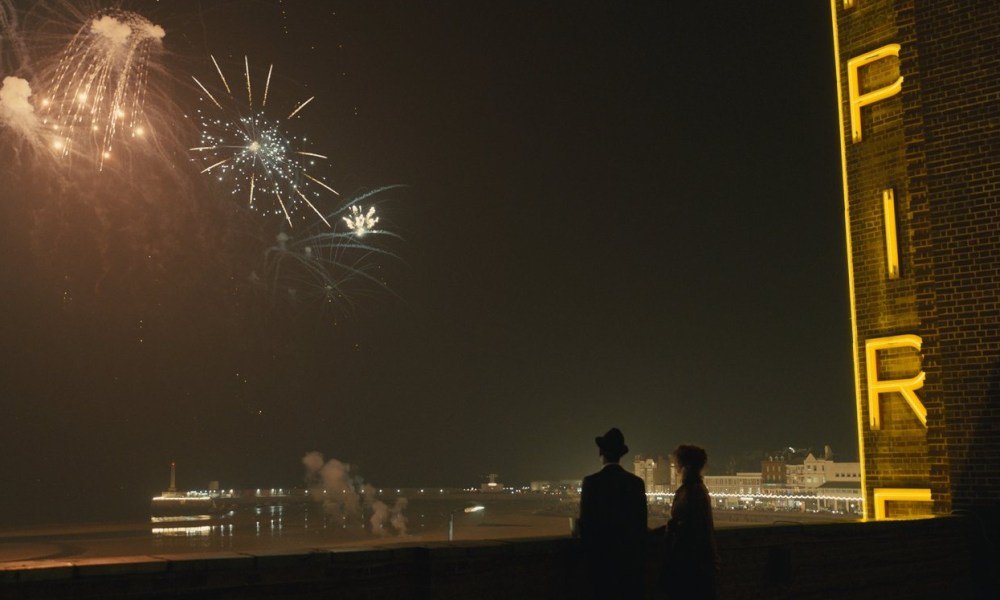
(613, 529)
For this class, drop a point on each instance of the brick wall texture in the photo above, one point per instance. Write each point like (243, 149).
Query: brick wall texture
(936, 144)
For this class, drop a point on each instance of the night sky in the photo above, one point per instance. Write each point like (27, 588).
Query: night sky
(615, 214)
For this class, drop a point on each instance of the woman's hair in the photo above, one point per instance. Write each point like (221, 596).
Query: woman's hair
(693, 458)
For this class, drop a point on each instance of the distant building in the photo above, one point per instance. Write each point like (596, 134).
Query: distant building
(562, 486)
(773, 471)
(491, 485)
(814, 472)
(840, 496)
(656, 473)
(784, 465)
(730, 490)
(790, 480)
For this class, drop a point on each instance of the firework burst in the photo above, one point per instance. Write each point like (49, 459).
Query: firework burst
(94, 98)
(254, 154)
(320, 264)
(359, 221)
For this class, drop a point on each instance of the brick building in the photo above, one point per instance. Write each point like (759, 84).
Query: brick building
(919, 97)
(773, 471)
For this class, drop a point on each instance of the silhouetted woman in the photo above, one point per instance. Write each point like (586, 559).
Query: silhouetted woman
(692, 559)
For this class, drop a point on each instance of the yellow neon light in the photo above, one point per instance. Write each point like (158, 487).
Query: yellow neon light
(848, 4)
(856, 98)
(884, 495)
(906, 387)
(850, 254)
(891, 245)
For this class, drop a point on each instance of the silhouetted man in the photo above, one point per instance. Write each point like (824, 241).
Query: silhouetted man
(613, 523)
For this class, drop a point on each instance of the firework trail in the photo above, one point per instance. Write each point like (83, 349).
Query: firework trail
(10, 34)
(93, 238)
(325, 265)
(254, 154)
(95, 95)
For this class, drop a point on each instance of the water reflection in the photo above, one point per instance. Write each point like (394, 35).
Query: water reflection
(180, 519)
(256, 521)
(290, 526)
(182, 531)
(260, 522)
(310, 525)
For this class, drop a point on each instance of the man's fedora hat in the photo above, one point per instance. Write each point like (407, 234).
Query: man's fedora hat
(612, 442)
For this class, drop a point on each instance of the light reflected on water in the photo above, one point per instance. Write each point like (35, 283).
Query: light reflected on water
(180, 519)
(182, 531)
(298, 524)
(258, 521)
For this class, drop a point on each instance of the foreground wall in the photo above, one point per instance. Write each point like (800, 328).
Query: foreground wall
(930, 558)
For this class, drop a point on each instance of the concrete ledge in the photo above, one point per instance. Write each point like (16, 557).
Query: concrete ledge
(119, 566)
(206, 561)
(930, 558)
(42, 570)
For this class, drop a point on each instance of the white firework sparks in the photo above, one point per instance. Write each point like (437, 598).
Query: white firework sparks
(95, 95)
(361, 222)
(254, 154)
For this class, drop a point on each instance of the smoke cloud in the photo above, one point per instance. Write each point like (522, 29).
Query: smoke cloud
(15, 109)
(113, 29)
(382, 515)
(118, 32)
(153, 31)
(349, 499)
